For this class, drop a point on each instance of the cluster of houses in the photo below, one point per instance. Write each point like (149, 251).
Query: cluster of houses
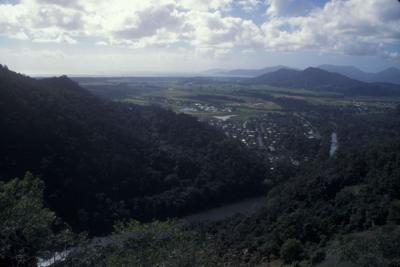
(266, 132)
(204, 108)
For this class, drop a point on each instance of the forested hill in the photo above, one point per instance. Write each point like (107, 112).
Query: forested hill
(102, 161)
(340, 211)
(322, 80)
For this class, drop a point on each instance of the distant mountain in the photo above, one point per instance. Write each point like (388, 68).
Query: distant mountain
(349, 71)
(310, 78)
(390, 75)
(214, 71)
(322, 80)
(245, 72)
(255, 72)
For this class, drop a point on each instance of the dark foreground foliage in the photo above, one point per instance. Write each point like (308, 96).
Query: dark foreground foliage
(27, 229)
(166, 244)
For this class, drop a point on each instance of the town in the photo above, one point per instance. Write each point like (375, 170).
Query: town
(279, 135)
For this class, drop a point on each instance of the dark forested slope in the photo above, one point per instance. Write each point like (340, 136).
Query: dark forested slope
(355, 193)
(102, 161)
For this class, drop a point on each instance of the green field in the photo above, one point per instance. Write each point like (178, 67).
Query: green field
(206, 97)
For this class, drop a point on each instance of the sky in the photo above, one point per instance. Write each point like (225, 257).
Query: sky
(133, 37)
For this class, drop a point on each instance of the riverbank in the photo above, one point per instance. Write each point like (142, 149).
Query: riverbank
(245, 207)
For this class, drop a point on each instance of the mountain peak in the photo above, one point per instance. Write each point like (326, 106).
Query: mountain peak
(5, 70)
(311, 78)
(389, 75)
(391, 70)
(314, 70)
(283, 70)
(346, 67)
(62, 81)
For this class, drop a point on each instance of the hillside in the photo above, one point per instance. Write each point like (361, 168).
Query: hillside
(389, 75)
(338, 211)
(321, 80)
(341, 212)
(348, 71)
(312, 78)
(102, 161)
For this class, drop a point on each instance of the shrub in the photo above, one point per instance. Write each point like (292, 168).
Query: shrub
(317, 257)
(292, 250)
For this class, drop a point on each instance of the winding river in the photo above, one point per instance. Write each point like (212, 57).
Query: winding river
(245, 207)
(334, 144)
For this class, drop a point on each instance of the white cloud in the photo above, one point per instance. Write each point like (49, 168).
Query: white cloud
(355, 27)
(214, 30)
(40, 23)
(149, 21)
(249, 5)
(204, 5)
(277, 7)
(288, 8)
(102, 43)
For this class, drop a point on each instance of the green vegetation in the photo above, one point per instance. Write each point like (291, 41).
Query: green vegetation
(102, 162)
(27, 229)
(180, 93)
(378, 248)
(291, 251)
(106, 161)
(356, 191)
(166, 244)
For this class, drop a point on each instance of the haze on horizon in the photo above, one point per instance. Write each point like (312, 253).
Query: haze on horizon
(123, 37)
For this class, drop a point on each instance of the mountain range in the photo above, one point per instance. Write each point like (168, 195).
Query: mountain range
(322, 80)
(389, 75)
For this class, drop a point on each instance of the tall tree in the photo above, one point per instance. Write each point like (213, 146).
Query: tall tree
(27, 229)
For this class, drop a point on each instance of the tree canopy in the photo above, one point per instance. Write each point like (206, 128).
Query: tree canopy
(27, 229)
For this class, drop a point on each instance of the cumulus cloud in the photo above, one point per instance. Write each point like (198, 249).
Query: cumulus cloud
(355, 27)
(41, 23)
(288, 8)
(62, 3)
(205, 5)
(249, 5)
(147, 22)
(213, 29)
